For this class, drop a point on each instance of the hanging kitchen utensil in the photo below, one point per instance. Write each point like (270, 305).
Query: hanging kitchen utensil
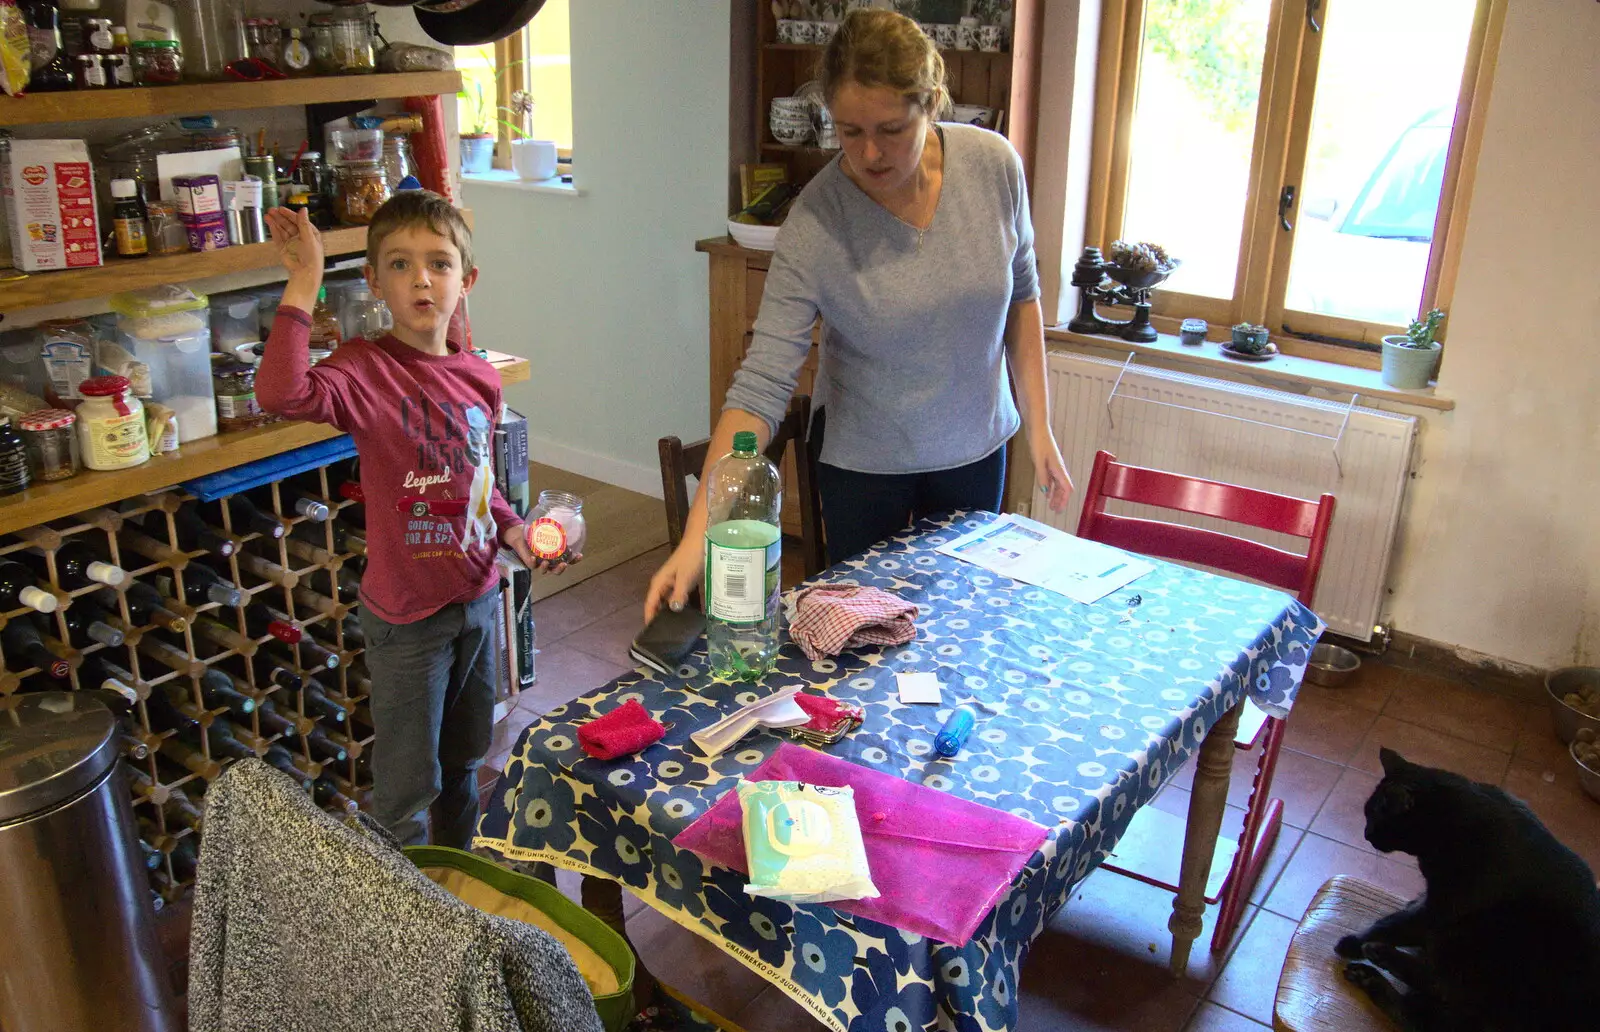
(471, 23)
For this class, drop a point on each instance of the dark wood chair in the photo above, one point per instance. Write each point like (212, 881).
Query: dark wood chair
(681, 461)
(1290, 571)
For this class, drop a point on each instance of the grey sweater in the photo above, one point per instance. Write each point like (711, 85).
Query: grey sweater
(912, 364)
(303, 924)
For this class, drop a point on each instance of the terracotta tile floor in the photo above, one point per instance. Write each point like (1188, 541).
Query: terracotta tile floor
(1101, 963)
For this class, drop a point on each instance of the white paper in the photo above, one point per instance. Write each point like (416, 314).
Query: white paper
(1025, 550)
(776, 710)
(226, 164)
(918, 687)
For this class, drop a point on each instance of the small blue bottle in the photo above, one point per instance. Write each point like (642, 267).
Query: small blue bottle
(954, 734)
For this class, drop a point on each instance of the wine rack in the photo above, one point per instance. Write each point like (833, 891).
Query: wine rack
(182, 654)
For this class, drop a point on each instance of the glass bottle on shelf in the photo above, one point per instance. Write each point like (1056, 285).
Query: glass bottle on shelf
(17, 589)
(87, 625)
(51, 70)
(147, 607)
(200, 586)
(24, 649)
(325, 333)
(77, 566)
(247, 517)
(193, 534)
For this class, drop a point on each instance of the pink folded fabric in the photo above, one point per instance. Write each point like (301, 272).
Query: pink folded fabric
(908, 830)
(829, 618)
(826, 711)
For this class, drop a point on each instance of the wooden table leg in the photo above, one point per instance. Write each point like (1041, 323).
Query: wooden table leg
(602, 897)
(1207, 800)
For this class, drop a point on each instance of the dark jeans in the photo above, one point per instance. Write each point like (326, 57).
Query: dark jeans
(433, 711)
(861, 509)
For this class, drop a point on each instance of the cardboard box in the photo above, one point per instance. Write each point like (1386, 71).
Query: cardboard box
(206, 232)
(48, 187)
(198, 196)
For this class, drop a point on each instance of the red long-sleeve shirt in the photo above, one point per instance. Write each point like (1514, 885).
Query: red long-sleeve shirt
(423, 426)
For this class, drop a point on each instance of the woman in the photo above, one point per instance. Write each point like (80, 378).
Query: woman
(916, 249)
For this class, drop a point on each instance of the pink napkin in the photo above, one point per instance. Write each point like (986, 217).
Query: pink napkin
(908, 830)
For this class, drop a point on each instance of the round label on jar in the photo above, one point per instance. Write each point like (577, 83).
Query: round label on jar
(547, 538)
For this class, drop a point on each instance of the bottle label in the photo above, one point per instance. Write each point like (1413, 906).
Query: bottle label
(547, 538)
(101, 38)
(739, 581)
(115, 441)
(131, 240)
(238, 406)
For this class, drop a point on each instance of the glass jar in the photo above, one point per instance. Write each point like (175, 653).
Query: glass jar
(351, 40)
(111, 430)
(556, 530)
(235, 386)
(396, 160)
(363, 187)
(263, 39)
(157, 62)
(51, 438)
(13, 459)
(205, 28)
(91, 73)
(217, 138)
(167, 234)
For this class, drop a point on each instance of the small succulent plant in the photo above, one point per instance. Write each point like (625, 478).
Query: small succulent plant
(1141, 257)
(1248, 327)
(1422, 332)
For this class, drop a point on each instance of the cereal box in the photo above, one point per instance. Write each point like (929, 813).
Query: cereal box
(49, 203)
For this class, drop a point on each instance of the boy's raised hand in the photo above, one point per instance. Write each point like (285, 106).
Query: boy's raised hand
(517, 541)
(299, 243)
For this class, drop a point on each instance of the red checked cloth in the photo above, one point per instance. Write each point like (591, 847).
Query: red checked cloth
(626, 729)
(829, 618)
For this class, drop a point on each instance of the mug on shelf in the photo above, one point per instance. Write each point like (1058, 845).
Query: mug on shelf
(534, 160)
(989, 38)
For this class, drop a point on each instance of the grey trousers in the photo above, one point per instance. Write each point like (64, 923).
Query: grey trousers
(433, 711)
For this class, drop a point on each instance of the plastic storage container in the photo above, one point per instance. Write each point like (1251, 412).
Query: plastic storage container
(235, 322)
(167, 328)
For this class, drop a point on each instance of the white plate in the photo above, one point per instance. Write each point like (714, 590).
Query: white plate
(758, 238)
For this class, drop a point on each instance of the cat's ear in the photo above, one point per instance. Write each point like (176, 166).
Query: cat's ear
(1393, 762)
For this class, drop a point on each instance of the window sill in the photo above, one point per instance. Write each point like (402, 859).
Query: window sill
(507, 179)
(1285, 372)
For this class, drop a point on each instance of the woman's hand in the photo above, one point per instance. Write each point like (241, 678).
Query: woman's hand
(679, 575)
(1050, 472)
(516, 540)
(299, 243)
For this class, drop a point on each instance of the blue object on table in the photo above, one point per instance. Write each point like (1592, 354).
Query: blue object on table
(273, 467)
(954, 734)
(1085, 718)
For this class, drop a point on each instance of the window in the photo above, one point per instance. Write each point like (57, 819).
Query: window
(1302, 157)
(538, 61)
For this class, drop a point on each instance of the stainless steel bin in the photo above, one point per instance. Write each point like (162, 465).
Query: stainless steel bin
(77, 947)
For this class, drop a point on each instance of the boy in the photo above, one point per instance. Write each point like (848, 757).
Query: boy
(422, 412)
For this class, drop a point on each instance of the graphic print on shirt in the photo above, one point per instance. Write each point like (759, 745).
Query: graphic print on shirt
(445, 496)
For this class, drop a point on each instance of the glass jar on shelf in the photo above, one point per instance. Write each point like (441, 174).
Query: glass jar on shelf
(234, 384)
(352, 42)
(216, 138)
(51, 438)
(157, 62)
(111, 430)
(397, 162)
(207, 29)
(363, 187)
(263, 39)
(167, 234)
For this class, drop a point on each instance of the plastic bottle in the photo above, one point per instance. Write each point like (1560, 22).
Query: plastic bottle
(744, 497)
(954, 734)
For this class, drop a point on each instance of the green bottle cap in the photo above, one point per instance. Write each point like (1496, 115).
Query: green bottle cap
(744, 441)
(322, 294)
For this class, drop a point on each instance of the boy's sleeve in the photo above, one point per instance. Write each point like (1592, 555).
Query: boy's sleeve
(288, 386)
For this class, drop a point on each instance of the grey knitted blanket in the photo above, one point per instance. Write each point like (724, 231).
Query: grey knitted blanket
(304, 924)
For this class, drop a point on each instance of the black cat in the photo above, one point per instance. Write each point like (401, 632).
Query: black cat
(1506, 938)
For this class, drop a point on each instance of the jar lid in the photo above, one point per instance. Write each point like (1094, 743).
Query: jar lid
(103, 386)
(161, 207)
(155, 44)
(263, 22)
(53, 745)
(231, 368)
(124, 188)
(47, 419)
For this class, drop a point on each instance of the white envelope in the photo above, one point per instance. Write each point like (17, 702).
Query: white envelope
(776, 710)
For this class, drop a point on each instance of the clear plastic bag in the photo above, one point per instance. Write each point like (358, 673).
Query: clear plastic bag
(413, 57)
(803, 842)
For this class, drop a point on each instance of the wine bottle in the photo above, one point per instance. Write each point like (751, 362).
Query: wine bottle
(77, 566)
(132, 541)
(190, 759)
(261, 620)
(17, 589)
(222, 743)
(221, 634)
(169, 655)
(145, 787)
(133, 748)
(244, 736)
(87, 623)
(181, 810)
(150, 834)
(147, 607)
(317, 701)
(324, 748)
(161, 886)
(344, 540)
(303, 504)
(354, 636)
(296, 767)
(328, 796)
(314, 655)
(217, 691)
(275, 723)
(200, 585)
(152, 855)
(246, 516)
(185, 857)
(166, 715)
(192, 533)
(24, 649)
(348, 585)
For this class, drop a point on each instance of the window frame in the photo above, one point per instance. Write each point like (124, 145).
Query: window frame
(509, 53)
(1282, 132)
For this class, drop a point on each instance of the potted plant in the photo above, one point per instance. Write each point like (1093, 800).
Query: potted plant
(1410, 358)
(477, 136)
(1249, 338)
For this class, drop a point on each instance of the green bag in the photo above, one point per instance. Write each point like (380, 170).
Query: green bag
(603, 957)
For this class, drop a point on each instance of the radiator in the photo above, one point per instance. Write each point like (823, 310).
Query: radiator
(1260, 438)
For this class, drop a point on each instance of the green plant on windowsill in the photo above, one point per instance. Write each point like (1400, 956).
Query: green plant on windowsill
(1411, 359)
(1422, 332)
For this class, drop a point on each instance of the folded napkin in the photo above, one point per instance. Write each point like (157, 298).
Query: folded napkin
(908, 830)
(829, 618)
(626, 729)
(826, 711)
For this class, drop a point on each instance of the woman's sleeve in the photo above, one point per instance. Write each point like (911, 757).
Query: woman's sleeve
(767, 377)
(1024, 267)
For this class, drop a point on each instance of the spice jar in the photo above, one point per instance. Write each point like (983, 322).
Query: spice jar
(157, 62)
(397, 162)
(51, 438)
(91, 73)
(556, 529)
(118, 71)
(111, 430)
(234, 384)
(167, 234)
(97, 36)
(13, 459)
(351, 42)
(363, 187)
(263, 39)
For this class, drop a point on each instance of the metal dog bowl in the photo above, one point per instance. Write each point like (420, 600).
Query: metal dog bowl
(1561, 682)
(1588, 777)
(1332, 666)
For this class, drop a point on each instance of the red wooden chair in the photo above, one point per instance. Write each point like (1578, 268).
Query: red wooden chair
(1281, 569)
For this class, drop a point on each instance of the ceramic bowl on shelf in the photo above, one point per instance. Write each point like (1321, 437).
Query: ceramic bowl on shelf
(793, 136)
(757, 238)
(972, 114)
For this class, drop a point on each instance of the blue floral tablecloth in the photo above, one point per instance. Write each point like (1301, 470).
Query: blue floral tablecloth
(1086, 711)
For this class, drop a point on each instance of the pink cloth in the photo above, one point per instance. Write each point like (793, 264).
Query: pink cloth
(908, 830)
(830, 618)
(826, 711)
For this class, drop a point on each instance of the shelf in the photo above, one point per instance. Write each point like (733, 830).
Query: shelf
(88, 490)
(119, 274)
(197, 98)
